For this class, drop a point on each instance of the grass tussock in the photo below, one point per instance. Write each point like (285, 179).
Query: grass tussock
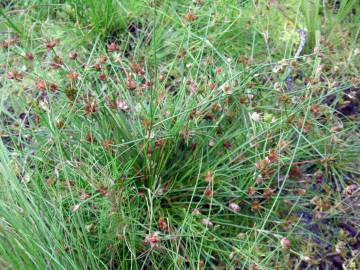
(179, 134)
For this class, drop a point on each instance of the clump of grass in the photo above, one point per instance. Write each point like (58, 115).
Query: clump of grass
(105, 17)
(161, 149)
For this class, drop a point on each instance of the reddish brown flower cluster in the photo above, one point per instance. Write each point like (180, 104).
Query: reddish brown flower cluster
(208, 177)
(29, 56)
(8, 42)
(152, 239)
(355, 81)
(304, 125)
(137, 68)
(190, 17)
(50, 44)
(103, 190)
(285, 243)
(84, 196)
(122, 105)
(227, 145)
(89, 138)
(268, 193)
(90, 107)
(295, 172)
(146, 84)
(102, 59)
(102, 77)
(15, 75)
(72, 76)
(255, 206)
(243, 59)
(112, 47)
(163, 226)
(73, 55)
(262, 164)
(212, 86)
(56, 62)
(107, 143)
(40, 85)
(131, 84)
(208, 193)
(159, 143)
(272, 156)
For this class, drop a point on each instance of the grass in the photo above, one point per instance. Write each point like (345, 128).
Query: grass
(163, 135)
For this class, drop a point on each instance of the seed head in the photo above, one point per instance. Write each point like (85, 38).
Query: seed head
(131, 84)
(163, 226)
(90, 107)
(207, 223)
(112, 47)
(50, 44)
(190, 17)
(72, 76)
(40, 85)
(102, 77)
(208, 193)
(121, 105)
(73, 55)
(234, 207)
(53, 87)
(152, 239)
(255, 205)
(285, 243)
(15, 75)
(29, 56)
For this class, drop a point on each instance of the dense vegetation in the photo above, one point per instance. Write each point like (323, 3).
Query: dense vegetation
(161, 134)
